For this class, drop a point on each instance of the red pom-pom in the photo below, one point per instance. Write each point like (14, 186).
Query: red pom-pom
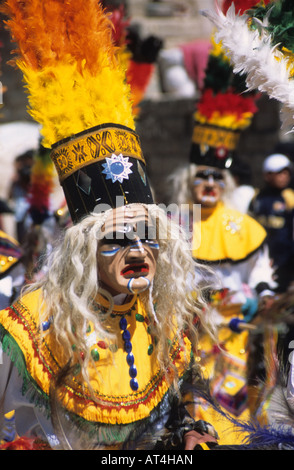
(228, 103)
(241, 5)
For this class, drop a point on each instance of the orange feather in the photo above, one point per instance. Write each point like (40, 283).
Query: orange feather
(47, 33)
(71, 67)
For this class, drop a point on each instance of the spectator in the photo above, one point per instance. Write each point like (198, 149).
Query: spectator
(273, 207)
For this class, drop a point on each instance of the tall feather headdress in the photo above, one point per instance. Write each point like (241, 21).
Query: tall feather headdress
(78, 92)
(260, 45)
(225, 108)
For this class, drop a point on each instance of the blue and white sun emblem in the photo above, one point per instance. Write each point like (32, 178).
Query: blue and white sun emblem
(117, 168)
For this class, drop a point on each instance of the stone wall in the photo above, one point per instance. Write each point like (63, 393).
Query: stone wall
(165, 128)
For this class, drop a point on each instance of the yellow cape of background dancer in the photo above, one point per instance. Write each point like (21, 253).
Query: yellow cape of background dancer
(226, 235)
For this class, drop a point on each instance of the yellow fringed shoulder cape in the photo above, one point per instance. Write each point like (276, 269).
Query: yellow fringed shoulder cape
(110, 379)
(224, 234)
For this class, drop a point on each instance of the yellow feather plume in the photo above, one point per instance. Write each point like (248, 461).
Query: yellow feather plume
(70, 67)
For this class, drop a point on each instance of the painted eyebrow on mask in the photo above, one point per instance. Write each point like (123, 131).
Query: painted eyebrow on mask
(124, 237)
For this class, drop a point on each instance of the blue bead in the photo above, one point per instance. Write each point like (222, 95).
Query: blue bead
(234, 324)
(46, 325)
(134, 384)
(126, 335)
(123, 323)
(128, 346)
(133, 372)
(116, 168)
(130, 359)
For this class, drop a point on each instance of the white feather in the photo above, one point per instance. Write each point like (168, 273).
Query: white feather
(251, 53)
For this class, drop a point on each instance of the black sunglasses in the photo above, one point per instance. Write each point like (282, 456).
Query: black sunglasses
(205, 174)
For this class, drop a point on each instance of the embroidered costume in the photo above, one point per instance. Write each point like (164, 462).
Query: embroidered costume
(117, 404)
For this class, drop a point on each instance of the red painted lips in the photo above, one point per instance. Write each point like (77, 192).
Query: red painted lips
(133, 269)
(209, 192)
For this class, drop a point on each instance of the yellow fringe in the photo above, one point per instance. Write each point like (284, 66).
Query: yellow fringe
(226, 121)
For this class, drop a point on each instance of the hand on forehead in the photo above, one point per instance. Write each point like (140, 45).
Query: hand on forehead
(126, 219)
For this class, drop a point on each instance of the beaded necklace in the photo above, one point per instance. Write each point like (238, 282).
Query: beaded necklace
(126, 337)
(95, 345)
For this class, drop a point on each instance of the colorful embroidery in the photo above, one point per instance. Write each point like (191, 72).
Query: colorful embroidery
(20, 328)
(232, 223)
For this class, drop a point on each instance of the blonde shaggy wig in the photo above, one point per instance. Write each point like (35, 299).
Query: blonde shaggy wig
(71, 284)
(181, 183)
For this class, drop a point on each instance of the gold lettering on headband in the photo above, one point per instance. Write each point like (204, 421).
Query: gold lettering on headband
(215, 137)
(95, 146)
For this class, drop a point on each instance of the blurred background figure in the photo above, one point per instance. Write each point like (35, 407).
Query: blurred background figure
(46, 214)
(244, 192)
(18, 192)
(4, 209)
(273, 207)
(182, 68)
(12, 271)
(18, 140)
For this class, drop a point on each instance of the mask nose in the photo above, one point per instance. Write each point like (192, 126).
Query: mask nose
(136, 249)
(210, 180)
